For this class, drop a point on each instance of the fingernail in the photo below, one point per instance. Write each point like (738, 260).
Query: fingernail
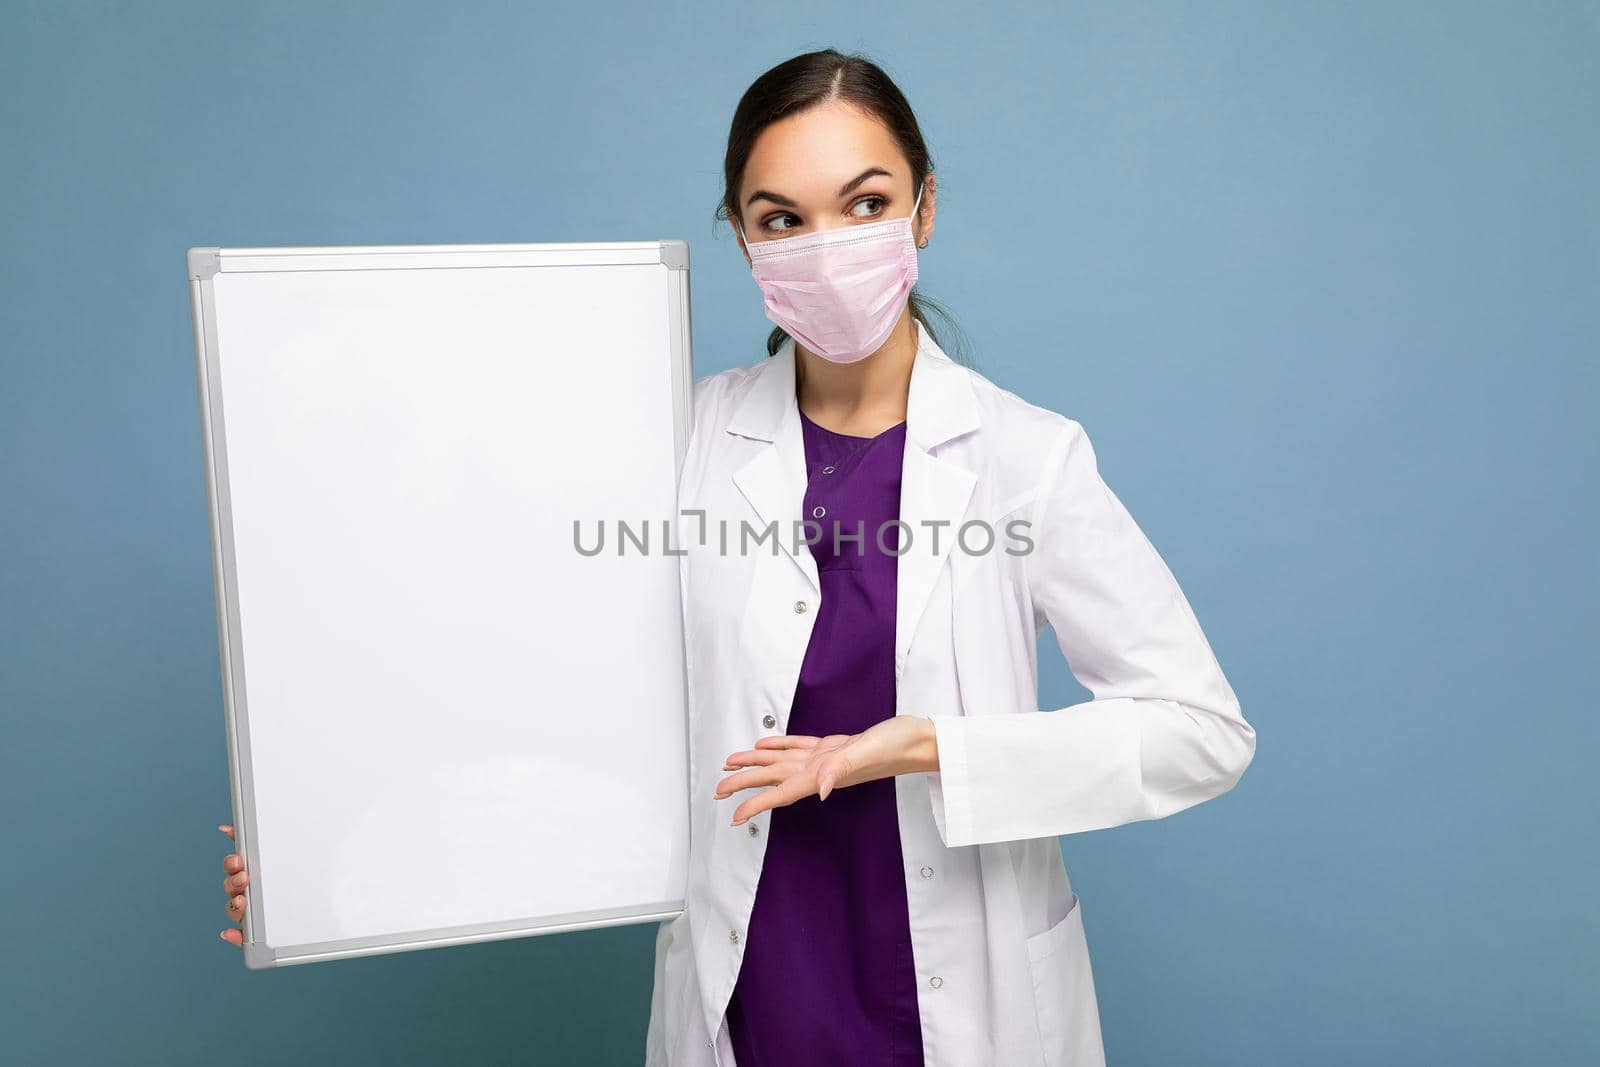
(221, 936)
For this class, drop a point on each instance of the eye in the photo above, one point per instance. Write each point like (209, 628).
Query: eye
(876, 203)
(768, 224)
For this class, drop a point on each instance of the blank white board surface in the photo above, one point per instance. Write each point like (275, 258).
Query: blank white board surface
(445, 723)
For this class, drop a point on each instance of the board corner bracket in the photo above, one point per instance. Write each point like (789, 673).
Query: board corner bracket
(260, 957)
(675, 255)
(204, 263)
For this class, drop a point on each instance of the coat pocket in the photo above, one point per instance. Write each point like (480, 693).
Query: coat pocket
(1063, 991)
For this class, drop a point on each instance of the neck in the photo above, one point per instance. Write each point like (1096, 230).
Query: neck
(862, 398)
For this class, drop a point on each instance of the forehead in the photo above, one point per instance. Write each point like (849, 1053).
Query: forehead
(807, 156)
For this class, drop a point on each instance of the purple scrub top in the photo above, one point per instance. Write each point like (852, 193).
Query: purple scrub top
(827, 974)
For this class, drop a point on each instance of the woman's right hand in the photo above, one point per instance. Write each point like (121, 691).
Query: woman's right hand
(233, 885)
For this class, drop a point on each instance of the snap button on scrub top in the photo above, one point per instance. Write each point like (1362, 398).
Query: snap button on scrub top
(827, 975)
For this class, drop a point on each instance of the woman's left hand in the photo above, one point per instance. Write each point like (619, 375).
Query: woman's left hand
(796, 766)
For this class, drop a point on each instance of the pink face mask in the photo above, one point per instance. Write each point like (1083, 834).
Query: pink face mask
(840, 291)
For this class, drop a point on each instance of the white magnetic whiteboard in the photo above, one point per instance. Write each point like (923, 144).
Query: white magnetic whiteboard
(445, 723)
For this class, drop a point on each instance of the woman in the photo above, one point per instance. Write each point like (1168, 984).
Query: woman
(873, 535)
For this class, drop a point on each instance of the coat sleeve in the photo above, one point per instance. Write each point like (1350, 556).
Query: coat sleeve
(1164, 730)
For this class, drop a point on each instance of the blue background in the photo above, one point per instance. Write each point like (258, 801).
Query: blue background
(1322, 281)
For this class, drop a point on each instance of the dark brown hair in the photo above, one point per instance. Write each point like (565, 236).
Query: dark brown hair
(804, 82)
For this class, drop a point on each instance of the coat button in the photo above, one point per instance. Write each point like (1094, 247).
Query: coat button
(827, 470)
(936, 981)
(818, 511)
(769, 721)
(733, 935)
(799, 607)
(927, 872)
(754, 829)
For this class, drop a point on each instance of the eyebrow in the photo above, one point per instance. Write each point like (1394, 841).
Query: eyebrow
(844, 190)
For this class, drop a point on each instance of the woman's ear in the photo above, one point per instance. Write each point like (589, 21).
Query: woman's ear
(744, 249)
(926, 212)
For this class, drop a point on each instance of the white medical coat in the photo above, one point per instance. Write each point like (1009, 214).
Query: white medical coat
(1003, 975)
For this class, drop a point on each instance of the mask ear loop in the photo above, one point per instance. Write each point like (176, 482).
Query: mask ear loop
(915, 209)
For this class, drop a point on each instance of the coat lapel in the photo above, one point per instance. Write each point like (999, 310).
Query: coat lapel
(934, 489)
(774, 479)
